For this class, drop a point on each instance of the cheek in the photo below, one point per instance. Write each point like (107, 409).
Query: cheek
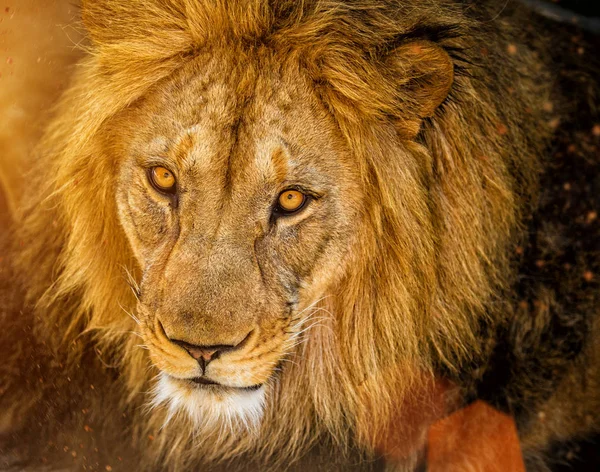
(146, 221)
(292, 254)
(316, 251)
(302, 247)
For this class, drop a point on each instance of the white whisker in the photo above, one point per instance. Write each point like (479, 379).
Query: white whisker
(131, 315)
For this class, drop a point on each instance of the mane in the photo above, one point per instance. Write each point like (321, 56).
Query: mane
(443, 214)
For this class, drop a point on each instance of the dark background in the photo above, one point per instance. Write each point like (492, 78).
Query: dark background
(586, 13)
(584, 7)
(583, 455)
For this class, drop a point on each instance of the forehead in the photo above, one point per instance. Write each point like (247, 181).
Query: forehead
(245, 113)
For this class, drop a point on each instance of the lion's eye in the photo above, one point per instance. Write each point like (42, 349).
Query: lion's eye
(162, 179)
(291, 201)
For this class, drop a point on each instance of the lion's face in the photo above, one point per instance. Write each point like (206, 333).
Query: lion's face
(240, 201)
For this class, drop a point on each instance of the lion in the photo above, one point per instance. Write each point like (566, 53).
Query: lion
(267, 235)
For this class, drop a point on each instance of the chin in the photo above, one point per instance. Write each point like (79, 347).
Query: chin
(210, 406)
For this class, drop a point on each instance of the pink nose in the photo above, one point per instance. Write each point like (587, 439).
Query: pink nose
(206, 354)
(202, 353)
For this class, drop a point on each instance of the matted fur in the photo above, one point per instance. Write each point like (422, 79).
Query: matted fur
(443, 213)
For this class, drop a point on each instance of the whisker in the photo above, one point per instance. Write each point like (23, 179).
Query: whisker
(131, 315)
(312, 304)
(288, 360)
(135, 288)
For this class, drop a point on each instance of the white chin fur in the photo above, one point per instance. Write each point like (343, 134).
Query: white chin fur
(208, 408)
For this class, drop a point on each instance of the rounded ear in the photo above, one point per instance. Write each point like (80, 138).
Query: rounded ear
(426, 75)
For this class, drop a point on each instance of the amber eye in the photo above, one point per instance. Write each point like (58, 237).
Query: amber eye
(291, 201)
(162, 179)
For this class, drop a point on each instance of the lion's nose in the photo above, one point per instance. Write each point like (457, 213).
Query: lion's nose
(206, 354)
(203, 354)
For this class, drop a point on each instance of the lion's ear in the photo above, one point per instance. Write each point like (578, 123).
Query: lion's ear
(425, 73)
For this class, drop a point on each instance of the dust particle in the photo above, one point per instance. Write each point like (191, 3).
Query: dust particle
(501, 128)
(523, 305)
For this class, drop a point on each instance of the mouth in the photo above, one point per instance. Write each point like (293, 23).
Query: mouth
(203, 382)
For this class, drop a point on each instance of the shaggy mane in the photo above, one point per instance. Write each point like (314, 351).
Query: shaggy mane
(444, 212)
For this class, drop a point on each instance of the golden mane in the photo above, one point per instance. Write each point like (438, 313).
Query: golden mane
(452, 198)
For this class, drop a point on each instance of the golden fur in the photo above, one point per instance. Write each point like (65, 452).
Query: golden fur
(432, 171)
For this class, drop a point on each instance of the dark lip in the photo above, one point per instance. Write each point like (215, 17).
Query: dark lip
(203, 382)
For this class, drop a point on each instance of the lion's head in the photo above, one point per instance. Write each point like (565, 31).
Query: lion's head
(312, 200)
(240, 200)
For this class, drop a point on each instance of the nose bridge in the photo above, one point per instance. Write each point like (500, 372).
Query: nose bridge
(218, 241)
(225, 269)
(210, 290)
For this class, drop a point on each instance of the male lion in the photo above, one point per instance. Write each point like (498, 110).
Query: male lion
(276, 234)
